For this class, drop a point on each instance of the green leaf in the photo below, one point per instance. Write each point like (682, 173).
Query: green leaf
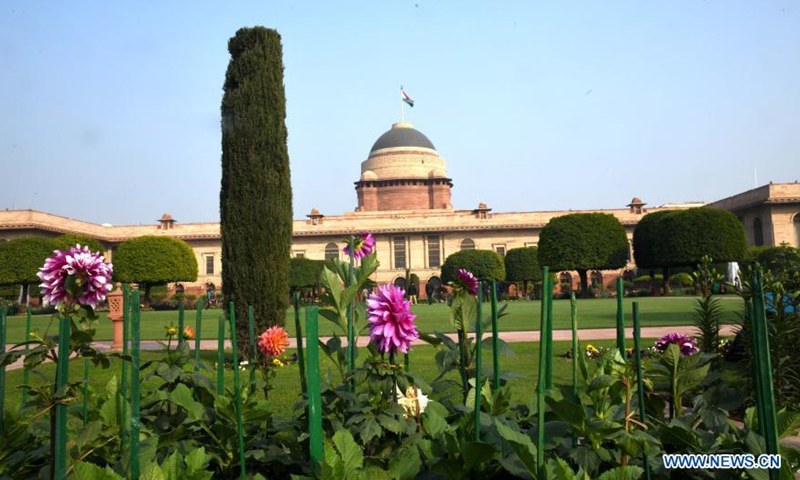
(434, 420)
(182, 397)
(390, 423)
(152, 472)
(788, 423)
(369, 430)
(622, 473)
(475, 453)
(602, 381)
(560, 470)
(89, 471)
(90, 432)
(521, 444)
(197, 460)
(350, 452)
(406, 465)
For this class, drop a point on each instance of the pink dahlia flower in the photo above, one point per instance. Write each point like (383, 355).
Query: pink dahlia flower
(92, 276)
(687, 344)
(273, 341)
(363, 245)
(391, 323)
(466, 280)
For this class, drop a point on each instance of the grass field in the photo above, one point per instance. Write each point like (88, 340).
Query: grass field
(522, 315)
(524, 363)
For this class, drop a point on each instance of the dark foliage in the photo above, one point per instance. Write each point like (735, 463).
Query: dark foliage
(65, 242)
(20, 260)
(304, 273)
(256, 193)
(582, 242)
(484, 264)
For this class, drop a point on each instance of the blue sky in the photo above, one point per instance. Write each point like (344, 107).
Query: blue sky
(110, 110)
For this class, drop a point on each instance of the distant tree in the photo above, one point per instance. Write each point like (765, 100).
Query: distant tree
(522, 265)
(154, 260)
(20, 261)
(782, 263)
(69, 240)
(256, 193)
(645, 235)
(304, 273)
(583, 242)
(484, 264)
(688, 235)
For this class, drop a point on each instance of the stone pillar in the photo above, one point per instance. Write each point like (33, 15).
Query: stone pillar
(115, 315)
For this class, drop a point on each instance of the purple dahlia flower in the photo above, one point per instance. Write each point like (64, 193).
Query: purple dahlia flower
(687, 344)
(92, 277)
(466, 280)
(391, 323)
(363, 245)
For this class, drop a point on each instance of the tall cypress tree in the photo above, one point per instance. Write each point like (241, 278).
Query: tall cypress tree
(256, 194)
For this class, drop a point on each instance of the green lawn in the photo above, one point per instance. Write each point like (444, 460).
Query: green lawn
(524, 363)
(522, 315)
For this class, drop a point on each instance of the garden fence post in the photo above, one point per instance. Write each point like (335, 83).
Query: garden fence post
(766, 395)
(237, 391)
(85, 390)
(123, 394)
(351, 312)
(495, 338)
(314, 395)
(251, 330)
(221, 356)
(62, 378)
(135, 392)
(549, 337)
(198, 329)
(478, 362)
(637, 355)
(3, 369)
(540, 390)
(301, 362)
(620, 318)
(180, 324)
(25, 370)
(573, 309)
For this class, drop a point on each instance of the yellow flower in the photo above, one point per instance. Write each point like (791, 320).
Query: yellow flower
(277, 362)
(171, 331)
(590, 348)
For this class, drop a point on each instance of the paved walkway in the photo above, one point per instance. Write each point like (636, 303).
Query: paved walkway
(511, 337)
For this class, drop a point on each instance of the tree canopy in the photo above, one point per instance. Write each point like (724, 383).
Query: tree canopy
(69, 240)
(304, 272)
(645, 235)
(522, 265)
(154, 260)
(256, 189)
(484, 264)
(20, 261)
(685, 236)
(582, 242)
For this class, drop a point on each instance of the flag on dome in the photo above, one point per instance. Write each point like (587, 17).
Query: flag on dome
(406, 98)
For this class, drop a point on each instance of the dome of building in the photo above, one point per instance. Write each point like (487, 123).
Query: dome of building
(402, 135)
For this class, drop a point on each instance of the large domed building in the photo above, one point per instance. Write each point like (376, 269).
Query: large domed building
(403, 198)
(403, 172)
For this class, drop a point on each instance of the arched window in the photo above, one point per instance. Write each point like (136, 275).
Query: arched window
(597, 279)
(400, 282)
(758, 232)
(565, 280)
(467, 244)
(331, 251)
(797, 229)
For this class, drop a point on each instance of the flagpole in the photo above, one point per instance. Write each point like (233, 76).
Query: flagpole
(402, 107)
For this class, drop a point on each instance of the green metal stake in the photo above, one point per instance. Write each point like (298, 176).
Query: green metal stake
(758, 322)
(221, 357)
(351, 312)
(406, 363)
(237, 390)
(478, 363)
(180, 325)
(126, 325)
(252, 337)
(573, 308)
(758, 381)
(549, 336)
(540, 390)
(135, 391)
(62, 377)
(301, 362)
(198, 325)
(24, 371)
(3, 369)
(314, 395)
(637, 354)
(85, 390)
(495, 339)
(620, 318)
